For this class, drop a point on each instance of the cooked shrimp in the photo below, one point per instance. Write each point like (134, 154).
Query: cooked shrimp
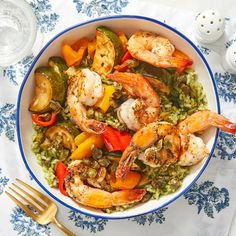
(146, 108)
(155, 50)
(90, 87)
(98, 198)
(143, 146)
(193, 148)
(187, 148)
(79, 95)
(202, 120)
(126, 114)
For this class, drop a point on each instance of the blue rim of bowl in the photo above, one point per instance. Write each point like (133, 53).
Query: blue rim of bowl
(89, 22)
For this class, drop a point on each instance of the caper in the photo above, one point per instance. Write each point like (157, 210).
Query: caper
(83, 175)
(146, 197)
(92, 173)
(113, 167)
(96, 153)
(86, 161)
(104, 162)
(95, 165)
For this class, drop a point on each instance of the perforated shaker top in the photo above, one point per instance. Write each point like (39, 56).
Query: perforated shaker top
(209, 26)
(230, 58)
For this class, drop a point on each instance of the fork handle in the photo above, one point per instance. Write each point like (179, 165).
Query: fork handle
(62, 227)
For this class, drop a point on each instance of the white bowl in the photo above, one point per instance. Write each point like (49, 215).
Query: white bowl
(128, 24)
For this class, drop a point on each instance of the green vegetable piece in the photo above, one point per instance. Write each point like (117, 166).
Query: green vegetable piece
(56, 82)
(70, 127)
(92, 173)
(64, 132)
(109, 51)
(58, 64)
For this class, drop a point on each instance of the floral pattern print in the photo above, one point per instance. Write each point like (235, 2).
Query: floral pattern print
(92, 224)
(47, 19)
(208, 198)
(230, 42)
(26, 226)
(226, 148)
(3, 182)
(7, 121)
(157, 217)
(226, 83)
(204, 50)
(95, 8)
(18, 71)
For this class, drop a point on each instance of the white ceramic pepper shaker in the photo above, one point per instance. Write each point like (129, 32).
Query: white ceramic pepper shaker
(209, 26)
(229, 61)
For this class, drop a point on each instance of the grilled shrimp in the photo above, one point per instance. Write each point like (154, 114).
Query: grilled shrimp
(186, 148)
(202, 120)
(193, 149)
(85, 89)
(98, 198)
(144, 146)
(135, 113)
(155, 50)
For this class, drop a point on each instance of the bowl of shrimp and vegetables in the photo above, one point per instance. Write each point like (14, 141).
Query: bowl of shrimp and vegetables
(116, 120)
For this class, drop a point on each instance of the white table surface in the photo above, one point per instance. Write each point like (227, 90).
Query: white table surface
(226, 8)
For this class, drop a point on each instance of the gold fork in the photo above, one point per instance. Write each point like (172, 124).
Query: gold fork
(46, 209)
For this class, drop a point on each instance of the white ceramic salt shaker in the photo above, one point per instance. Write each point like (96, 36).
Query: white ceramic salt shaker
(229, 61)
(209, 26)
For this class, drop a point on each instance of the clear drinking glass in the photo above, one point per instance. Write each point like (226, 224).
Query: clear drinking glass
(18, 29)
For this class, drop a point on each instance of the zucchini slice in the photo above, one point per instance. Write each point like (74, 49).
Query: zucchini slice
(70, 127)
(109, 51)
(67, 138)
(43, 94)
(59, 66)
(49, 86)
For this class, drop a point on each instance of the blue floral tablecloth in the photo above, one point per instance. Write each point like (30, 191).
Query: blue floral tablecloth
(205, 210)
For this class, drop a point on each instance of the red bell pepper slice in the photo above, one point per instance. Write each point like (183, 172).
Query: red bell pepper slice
(61, 173)
(43, 120)
(126, 56)
(116, 140)
(123, 66)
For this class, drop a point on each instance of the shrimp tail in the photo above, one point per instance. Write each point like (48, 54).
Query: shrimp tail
(204, 119)
(224, 124)
(125, 163)
(94, 126)
(127, 196)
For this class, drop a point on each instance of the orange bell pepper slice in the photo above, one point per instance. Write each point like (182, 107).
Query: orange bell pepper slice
(70, 56)
(74, 54)
(130, 181)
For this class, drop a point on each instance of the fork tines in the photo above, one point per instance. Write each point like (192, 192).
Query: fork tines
(29, 197)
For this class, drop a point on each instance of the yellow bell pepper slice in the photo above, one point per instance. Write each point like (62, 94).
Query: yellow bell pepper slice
(91, 48)
(123, 40)
(81, 138)
(105, 102)
(84, 150)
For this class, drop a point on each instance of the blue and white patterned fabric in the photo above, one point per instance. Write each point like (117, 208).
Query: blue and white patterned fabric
(205, 210)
